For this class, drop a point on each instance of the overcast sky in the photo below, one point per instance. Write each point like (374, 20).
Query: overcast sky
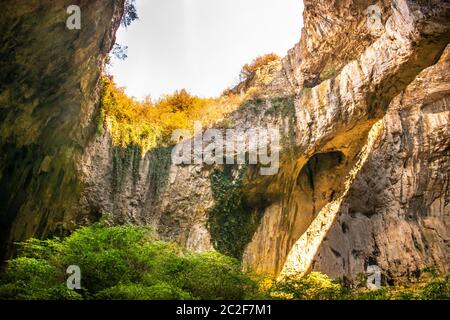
(201, 45)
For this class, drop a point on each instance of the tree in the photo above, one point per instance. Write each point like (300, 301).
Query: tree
(179, 101)
(120, 52)
(249, 70)
(130, 13)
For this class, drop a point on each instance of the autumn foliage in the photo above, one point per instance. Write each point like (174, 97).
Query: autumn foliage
(249, 70)
(150, 124)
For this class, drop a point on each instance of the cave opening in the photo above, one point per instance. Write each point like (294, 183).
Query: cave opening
(321, 179)
(200, 46)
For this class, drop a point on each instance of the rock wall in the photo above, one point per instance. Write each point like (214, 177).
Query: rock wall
(121, 182)
(343, 77)
(341, 114)
(329, 99)
(396, 214)
(361, 104)
(322, 114)
(49, 79)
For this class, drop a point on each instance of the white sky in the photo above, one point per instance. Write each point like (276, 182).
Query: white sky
(201, 45)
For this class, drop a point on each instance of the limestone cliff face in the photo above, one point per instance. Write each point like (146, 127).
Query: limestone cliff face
(343, 77)
(361, 105)
(396, 214)
(336, 32)
(48, 104)
(122, 182)
(362, 178)
(341, 114)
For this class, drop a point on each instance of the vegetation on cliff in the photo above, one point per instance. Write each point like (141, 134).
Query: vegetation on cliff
(132, 263)
(231, 222)
(130, 13)
(249, 70)
(149, 124)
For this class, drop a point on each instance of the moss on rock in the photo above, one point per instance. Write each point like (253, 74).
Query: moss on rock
(232, 222)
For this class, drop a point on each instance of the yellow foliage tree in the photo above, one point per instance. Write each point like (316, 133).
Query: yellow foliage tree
(147, 124)
(249, 70)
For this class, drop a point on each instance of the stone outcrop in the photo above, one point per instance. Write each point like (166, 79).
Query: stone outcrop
(361, 105)
(48, 105)
(338, 125)
(337, 115)
(122, 182)
(332, 100)
(396, 214)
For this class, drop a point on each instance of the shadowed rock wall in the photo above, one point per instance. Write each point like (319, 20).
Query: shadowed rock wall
(48, 104)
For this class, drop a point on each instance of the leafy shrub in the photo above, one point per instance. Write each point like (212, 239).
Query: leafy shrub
(160, 291)
(129, 122)
(437, 289)
(249, 70)
(30, 271)
(130, 263)
(179, 101)
(214, 276)
(33, 279)
(121, 263)
(314, 286)
(431, 288)
(317, 286)
(106, 256)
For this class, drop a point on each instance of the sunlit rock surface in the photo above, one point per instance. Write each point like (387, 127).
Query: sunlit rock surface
(396, 214)
(361, 104)
(339, 123)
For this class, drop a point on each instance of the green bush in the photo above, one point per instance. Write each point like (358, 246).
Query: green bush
(314, 286)
(121, 263)
(214, 276)
(317, 286)
(33, 279)
(429, 286)
(130, 263)
(161, 291)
